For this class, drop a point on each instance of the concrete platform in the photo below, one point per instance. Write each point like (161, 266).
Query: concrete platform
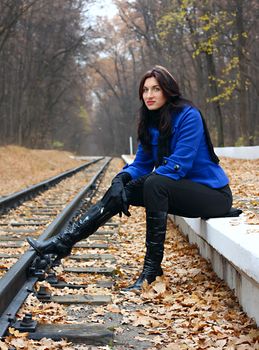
(243, 152)
(230, 244)
(232, 247)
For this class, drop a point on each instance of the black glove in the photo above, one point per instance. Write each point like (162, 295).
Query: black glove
(118, 191)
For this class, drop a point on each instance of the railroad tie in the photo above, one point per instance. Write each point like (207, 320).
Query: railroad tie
(29, 221)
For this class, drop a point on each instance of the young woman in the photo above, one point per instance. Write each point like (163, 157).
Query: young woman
(175, 171)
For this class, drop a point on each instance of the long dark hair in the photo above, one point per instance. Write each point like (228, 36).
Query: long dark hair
(175, 102)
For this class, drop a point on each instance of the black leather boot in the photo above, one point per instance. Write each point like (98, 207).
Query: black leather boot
(155, 238)
(61, 244)
(113, 202)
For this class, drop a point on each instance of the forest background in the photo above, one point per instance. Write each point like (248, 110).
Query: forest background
(69, 81)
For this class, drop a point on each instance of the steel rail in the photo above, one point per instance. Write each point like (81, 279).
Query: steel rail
(16, 284)
(7, 202)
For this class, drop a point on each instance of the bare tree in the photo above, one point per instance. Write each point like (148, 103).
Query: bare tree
(43, 54)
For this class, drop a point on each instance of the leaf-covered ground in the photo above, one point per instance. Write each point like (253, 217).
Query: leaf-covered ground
(188, 308)
(21, 167)
(244, 182)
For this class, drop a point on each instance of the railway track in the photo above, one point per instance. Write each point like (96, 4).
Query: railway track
(15, 199)
(80, 300)
(43, 216)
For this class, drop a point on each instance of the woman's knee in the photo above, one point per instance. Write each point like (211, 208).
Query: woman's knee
(154, 181)
(155, 184)
(134, 191)
(155, 193)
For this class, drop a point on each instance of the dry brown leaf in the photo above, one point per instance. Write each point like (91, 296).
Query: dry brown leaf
(18, 343)
(3, 346)
(220, 343)
(119, 330)
(172, 346)
(157, 340)
(142, 321)
(244, 339)
(141, 338)
(113, 308)
(159, 286)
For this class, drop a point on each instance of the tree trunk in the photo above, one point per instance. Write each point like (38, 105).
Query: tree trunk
(214, 92)
(241, 51)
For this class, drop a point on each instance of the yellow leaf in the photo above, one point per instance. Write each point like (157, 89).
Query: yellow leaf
(16, 333)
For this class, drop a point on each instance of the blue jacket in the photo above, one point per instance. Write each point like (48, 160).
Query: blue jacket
(189, 157)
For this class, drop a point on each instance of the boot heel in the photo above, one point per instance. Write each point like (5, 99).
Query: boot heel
(33, 243)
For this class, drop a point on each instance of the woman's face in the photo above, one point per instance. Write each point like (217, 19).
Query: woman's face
(153, 95)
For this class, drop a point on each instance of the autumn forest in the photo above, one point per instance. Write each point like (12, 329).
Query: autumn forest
(70, 81)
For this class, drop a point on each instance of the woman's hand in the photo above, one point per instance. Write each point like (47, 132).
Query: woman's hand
(117, 191)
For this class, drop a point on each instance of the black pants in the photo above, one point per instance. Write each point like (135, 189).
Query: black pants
(181, 197)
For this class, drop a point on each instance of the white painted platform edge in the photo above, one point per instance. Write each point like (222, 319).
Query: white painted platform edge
(127, 159)
(243, 152)
(233, 263)
(237, 241)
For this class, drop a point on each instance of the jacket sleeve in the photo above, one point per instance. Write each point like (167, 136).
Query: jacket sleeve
(143, 164)
(188, 137)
